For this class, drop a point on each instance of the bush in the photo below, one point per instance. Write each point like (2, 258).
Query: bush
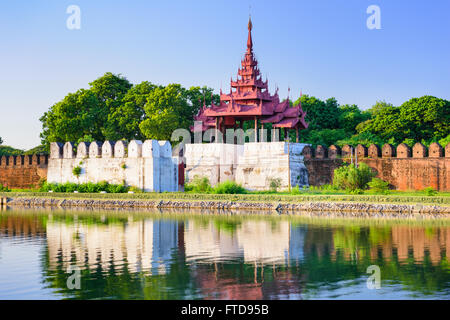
(350, 177)
(274, 184)
(430, 191)
(379, 186)
(76, 171)
(355, 191)
(89, 187)
(4, 188)
(198, 185)
(229, 187)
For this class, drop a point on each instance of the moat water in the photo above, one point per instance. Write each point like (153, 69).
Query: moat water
(168, 255)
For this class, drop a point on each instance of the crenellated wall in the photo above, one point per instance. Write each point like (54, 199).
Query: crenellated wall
(146, 165)
(22, 172)
(403, 167)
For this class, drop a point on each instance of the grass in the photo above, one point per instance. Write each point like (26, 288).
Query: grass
(394, 197)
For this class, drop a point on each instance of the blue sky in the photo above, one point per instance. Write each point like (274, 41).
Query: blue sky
(322, 47)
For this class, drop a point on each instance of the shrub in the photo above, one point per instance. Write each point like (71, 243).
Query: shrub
(354, 191)
(274, 184)
(135, 190)
(198, 185)
(117, 188)
(430, 191)
(76, 171)
(89, 187)
(229, 187)
(350, 177)
(4, 188)
(379, 186)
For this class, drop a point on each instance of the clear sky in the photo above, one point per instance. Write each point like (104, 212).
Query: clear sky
(322, 47)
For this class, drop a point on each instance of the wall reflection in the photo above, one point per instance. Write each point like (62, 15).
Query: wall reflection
(139, 246)
(136, 256)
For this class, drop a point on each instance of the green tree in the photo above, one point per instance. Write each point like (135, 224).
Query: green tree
(123, 121)
(165, 111)
(320, 114)
(365, 138)
(196, 96)
(385, 124)
(9, 151)
(1, 140)
(350, 116)
(379, 105)
(85, 113)
(444, 141)
(78, 114)
(326, 137)
(110, 90)
(426, 118)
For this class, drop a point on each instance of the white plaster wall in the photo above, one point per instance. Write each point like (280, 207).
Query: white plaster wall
(149, 166)
(253, 164)
(217, 161)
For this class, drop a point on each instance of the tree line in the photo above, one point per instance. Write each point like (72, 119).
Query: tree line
(112, 108)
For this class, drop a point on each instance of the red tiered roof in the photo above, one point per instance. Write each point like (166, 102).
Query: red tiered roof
(249, 98)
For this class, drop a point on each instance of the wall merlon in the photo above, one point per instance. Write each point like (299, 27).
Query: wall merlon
(56, 150)
(361, 151)
(68, 150)
(108, 149)
(120, 149)
(83, 150)
(419, 151)
(374, 151)
(435, 150)
(320, 152)
(95, 149)
(388, 151)
(334, 152)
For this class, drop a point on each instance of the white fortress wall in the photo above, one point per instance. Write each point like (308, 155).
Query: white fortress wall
(253, 164)
(148, 166)
(217, 161)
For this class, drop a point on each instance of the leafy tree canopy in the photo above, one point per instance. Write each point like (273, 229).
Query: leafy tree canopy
(426, 118)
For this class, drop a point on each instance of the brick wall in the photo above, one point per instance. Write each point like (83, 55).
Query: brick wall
(403, 167)
(23, 171)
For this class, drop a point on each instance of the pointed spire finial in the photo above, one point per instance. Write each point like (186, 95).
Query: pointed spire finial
(249, 40)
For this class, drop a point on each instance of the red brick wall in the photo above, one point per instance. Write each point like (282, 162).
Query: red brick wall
(23, 171)
(403, 172)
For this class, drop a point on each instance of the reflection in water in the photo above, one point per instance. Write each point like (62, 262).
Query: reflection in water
(140, 246)
(162, 256)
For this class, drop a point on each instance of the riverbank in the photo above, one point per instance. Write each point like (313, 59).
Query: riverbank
(337, 206)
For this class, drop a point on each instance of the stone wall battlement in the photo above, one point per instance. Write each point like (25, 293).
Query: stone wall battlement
(23, 161)
(111, 149)
(23, 171)
(147, 165)
(405, 168)
(374, 151)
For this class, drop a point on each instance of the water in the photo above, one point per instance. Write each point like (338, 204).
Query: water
(136, 255)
